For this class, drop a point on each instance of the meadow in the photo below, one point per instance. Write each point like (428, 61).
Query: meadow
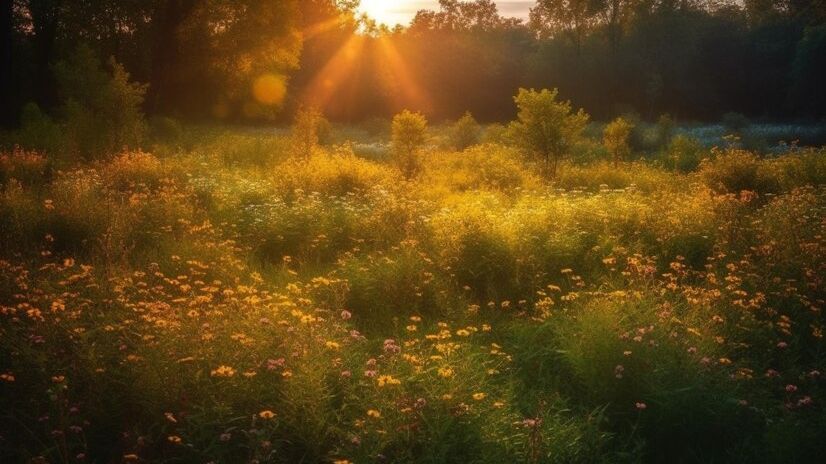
(216, 297)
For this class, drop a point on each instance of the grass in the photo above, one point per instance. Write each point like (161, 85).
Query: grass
(214, 300)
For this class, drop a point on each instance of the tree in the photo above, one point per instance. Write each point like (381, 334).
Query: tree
(615, 138)
(465, 132)
(409, 133)
(101, 109)
(545, 128)
(574, 18)
(6, 37)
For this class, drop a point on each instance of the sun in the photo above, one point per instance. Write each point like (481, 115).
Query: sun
(383, 11)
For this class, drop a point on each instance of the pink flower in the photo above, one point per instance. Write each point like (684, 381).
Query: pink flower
(346, 315)
(805, 401)
(641, 406)
(782, 345)
(346, 374)
(791, 388)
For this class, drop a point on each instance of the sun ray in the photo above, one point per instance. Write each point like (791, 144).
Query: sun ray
(405, 91)
(338, 69)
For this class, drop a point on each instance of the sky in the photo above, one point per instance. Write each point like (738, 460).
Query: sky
(392, 12)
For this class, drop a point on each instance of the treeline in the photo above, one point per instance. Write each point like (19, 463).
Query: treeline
(204, 59)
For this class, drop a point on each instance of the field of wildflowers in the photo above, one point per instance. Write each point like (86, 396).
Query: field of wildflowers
(214, 300)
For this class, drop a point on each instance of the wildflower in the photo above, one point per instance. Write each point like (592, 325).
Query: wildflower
(273, 364)
(58, 379)
(341, 461)
(8, 377)
(170, 417)
(223, 371)
(415, 319)
(411, 328)
(346, 374)
(346, 315)
(462, 333)
(266, 414)
(373, 413)
(618, 370)
(641, 406)
(387, 380)
(174, 439)
(225, 437)
(791, 388)
(332, 345)
(479, 396)
(445, 372)
(130, 457)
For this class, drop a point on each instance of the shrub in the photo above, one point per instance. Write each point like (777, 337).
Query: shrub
(409, 135)
(683, 154)
(335, 173)
(28, 168)
(731, 171)
(545, 128)
(496, 133)
(306, 131)
(465, 133)
(165, 129)
(616, 137)
(38, 131)
(101, 109)
(488, 166)
(664, 130)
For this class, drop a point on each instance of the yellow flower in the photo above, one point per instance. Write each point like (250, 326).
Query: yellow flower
(383, 380)
(415, 318)
(373, 413)
(266, 414)
(411, 328)
(341, 461)
(479, 396)
(332, 345)
(462, 333)
(446, 372)
(223, 371)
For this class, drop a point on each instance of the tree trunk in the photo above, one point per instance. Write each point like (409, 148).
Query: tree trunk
(166, 50)
(8, 108)
(45, 16)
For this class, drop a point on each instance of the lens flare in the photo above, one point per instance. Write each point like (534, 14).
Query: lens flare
(269, 89)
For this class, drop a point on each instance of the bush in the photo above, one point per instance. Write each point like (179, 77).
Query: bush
(102, 109)
(335, 173)
(465, 133)
(409, 135)
(684, 154)
(664, 130)
(616, 137)
(166, 130)
(734, 171)
(306, 132)
(28, 168)
(545, 128)
(487, 166)
(39, 132)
